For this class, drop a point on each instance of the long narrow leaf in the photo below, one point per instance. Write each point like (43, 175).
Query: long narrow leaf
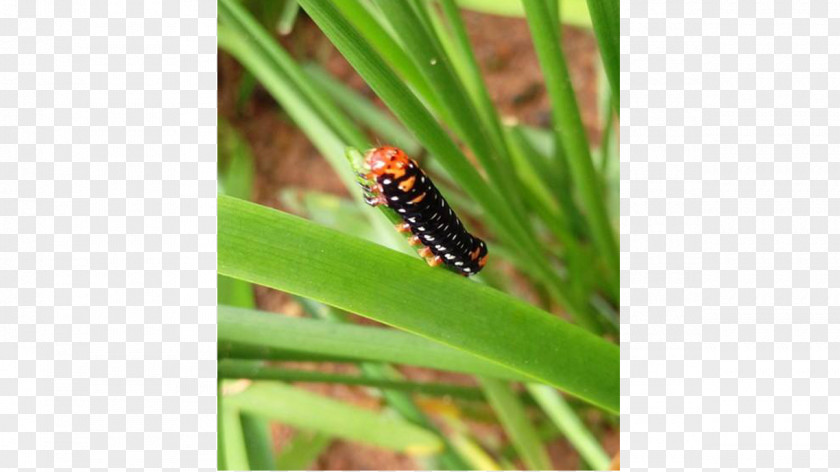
(605, 15)
(255, 430)
(235, 369)
(346, 342)
(512, 415)
(315, 262)
(570, 425)
(296, 407)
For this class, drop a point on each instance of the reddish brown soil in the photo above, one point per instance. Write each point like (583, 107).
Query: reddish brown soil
(285, 158)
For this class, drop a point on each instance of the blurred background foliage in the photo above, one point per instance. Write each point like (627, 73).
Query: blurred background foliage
(511, 106)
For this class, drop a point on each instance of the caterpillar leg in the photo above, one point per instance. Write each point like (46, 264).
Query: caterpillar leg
(434, 261)
(374, 200)
(403, 228)
(425, 252)
(414, 241)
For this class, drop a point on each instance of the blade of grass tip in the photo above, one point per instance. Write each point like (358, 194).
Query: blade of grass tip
(302, 451)
(605, 21)
(288, 16)
(322, 264)
(240, 369)
(569, 126)
(517, 425)
(255, 431)
(570, 425)
(295, 407)
(363, 110)
(388, 46)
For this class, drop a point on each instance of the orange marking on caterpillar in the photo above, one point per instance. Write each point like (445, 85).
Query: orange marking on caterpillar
(483, 261)
(474, 254)
(418, 198)
(407, 184)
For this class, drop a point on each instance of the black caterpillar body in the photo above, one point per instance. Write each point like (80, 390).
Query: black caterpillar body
(405, 188)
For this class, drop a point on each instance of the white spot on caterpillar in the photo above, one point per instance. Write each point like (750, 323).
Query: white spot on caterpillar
(429, 238)
(459, 263)
(467, 269)
(393, 199)
(401, 210)
(386, 181)
(420, 228)
(449, 256)
(411, 220)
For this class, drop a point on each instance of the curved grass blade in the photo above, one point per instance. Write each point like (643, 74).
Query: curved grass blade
(399, 290)
(295, 407)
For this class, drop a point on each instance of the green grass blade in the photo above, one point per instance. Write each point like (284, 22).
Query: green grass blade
(295, 407)
(319, 263)
(428, 54)
(605, 16)
(569, 126)
(238, 369)
(273, 333)
(233, 438)
(288, 17)
(302, 451)
(570, 425)
(388, 46)
(363, 110)
(260, 41)
(258, 444)
(236, 178)
(519, 428)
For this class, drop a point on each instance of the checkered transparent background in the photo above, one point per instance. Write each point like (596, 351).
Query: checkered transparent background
(730, 147)
(107, 234)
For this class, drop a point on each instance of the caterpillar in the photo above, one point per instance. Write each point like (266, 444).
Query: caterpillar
(402, 186)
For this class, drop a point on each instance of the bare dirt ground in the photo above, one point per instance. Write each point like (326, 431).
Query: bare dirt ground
(285, 158)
